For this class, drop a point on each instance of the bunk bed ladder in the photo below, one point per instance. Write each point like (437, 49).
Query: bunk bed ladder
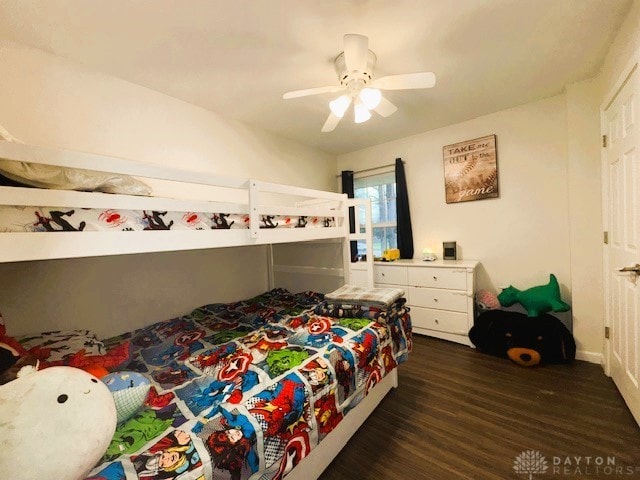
(363, 231)
(254, 215)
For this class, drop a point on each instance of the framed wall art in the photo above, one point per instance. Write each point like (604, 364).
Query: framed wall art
(471, 170)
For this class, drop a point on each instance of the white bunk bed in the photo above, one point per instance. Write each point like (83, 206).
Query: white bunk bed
(19, 246)
(258, 200)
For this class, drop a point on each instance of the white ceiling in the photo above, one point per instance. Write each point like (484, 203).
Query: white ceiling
(238, 57)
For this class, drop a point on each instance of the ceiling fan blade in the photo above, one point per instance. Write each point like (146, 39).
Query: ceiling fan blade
(385, 108)
(331, 123)
(356, 50)
(312, 91)
(406, 81)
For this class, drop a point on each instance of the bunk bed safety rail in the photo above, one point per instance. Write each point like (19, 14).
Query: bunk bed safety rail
(73, 199)
(320, 204)
(248, 198)
(107, 164)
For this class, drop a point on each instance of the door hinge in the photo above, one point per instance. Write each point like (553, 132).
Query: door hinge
(606, 332)
(604, 141)
(606, 238)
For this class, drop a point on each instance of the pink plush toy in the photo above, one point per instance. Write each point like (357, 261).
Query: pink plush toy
(487, 300)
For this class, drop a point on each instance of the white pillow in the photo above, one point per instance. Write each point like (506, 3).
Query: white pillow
(63, 178)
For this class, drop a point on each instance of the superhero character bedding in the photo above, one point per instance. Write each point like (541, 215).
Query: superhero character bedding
(247, 389)
(54, 219)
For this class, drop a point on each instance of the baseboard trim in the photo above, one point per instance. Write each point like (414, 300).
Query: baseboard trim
(591, 357)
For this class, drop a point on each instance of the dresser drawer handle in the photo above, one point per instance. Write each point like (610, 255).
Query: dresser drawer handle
(437, 321)
(435, 278)
(383, 274)
(435, 300)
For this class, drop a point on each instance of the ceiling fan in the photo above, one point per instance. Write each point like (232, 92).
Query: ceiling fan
(354, 67)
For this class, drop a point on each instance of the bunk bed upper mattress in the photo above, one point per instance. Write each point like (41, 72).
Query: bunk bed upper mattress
(49, 219)
(247, 389)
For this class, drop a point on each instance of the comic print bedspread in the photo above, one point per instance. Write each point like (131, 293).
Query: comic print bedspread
(247, 389)
(56, 219)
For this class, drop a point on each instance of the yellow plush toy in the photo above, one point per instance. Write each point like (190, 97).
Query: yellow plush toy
(391, 254)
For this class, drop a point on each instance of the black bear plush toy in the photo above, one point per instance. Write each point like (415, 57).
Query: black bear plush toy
(528, 341)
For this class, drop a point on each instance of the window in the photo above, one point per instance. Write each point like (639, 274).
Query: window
(381, 190)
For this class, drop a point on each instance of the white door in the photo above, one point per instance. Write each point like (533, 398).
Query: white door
(622, 164)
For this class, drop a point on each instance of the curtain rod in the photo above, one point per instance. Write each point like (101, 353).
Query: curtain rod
(370, 169)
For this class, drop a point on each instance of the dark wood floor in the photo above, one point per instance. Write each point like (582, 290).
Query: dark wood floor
(458, 413)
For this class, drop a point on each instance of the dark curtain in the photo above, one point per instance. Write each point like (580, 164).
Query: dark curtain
(405, 234)
(347, 187)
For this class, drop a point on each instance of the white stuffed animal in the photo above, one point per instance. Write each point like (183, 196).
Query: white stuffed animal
(55, 423)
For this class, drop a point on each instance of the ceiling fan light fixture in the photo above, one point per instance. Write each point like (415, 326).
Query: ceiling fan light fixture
(361, 113)
(339, 105)
(355, 69)
(370, 97)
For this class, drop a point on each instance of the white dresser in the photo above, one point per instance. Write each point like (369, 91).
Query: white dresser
(440, 294)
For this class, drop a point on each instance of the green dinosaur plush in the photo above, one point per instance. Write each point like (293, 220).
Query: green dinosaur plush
(536, 300)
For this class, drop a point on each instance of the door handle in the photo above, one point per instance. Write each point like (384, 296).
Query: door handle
(635, 269)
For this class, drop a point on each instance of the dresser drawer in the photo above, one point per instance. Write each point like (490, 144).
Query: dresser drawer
(388, 274)
(452, 278)
(438, 298)
(440, 320)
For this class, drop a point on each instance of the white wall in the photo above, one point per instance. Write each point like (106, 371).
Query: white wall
(525, 234)
(585, 215)
(111, 295)
(49, 101)
(520, 236)
(46, 100)
(624, 46)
